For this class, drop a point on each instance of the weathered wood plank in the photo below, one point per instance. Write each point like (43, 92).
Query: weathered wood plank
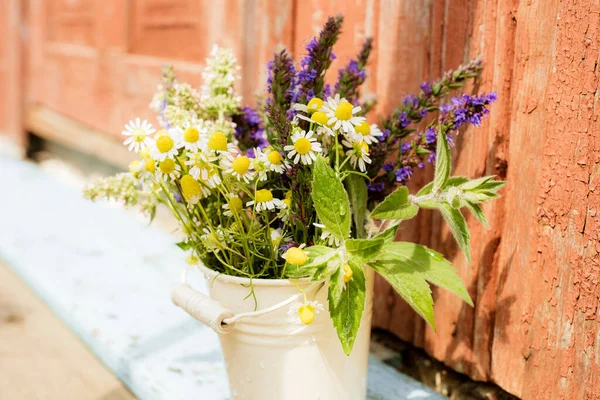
(40, 358)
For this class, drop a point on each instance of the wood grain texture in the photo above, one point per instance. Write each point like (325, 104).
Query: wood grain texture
(534, 274)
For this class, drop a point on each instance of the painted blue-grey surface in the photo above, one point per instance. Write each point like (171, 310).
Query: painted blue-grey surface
(108, 276)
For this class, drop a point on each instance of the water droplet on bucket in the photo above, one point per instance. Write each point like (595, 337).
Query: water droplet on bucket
(248, 379)
(313, 339)
(262, 365)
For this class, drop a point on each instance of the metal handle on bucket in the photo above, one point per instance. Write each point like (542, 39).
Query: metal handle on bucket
(212, 313)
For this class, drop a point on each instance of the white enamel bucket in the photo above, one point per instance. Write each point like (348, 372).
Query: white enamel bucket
(267, 356)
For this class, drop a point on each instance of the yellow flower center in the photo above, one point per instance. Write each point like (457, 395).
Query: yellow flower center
(145, 153)
(192, 260)
(189, 186)
(235, 204)
(139, 135)
(364, 128)
(274, 157)
(217, 141)
(191, 135)
(347, 273)
(150, 166)
(134, 166)
(296, 256)
(167, 166)
(314, 104)
(241, 165)
(263, 195)
(365, 147)
(302, 146)
(306, 314)
(288, 194)
(287, 202)
(344, 111)
(319, 117)
(164, 143)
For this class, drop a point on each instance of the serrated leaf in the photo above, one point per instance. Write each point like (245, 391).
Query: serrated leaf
(388, 235)
(357, 193)
(346, 305)
(396, 206)
(475, 183)
(432, 265)
(330, 200)
(477, 213)
(410, 285)
(458, 227)
(364, 249)
(452, 181)
(318, 257)
(442, 162)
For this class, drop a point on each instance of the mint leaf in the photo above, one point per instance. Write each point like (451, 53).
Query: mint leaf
(442, 162)
(330, 200)
(364, 249)
(395, 206)
(346, 304)
(452, 181)
(458, 227)
(410, 285)
(429, 263)
(318, 258)
(388, 235)
(357, 192)
(185, 245)
(477, 213)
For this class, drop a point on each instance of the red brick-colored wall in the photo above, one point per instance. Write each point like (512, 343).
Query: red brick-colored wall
(534, 276)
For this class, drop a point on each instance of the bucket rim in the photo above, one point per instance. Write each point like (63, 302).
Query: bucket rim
(214, 275)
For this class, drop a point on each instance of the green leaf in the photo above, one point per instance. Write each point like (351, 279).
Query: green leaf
(185, 245)
(410, 285)
(475, 183)
(458, 227)
(452, 181)
(432, 265)
(364, 249)
(318, 257)
(346, 304)
(442, 162)
(388, 235)
(357, 192)
(477, 213)
(395, 206)
(330, 200)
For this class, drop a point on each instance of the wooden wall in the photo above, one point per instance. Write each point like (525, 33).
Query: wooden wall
(535, 328)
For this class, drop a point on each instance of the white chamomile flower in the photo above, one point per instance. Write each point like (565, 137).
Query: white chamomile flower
(192, 137)
(328, 236)
(259, 165)
(233, 206)
(313, 105)
(218, 142)
(304, 312)
(320, 119)
(274, 161)
(277, 238)
(342, 114)
(168, 168)
(358, 153)
(304, 147)
(264, 200)
(192, 190)
(369, 133)
(201, 165)
(166, 145)
(139, 134)
(240, 167)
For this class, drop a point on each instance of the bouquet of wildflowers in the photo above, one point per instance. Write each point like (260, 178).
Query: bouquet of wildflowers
(303, 187)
